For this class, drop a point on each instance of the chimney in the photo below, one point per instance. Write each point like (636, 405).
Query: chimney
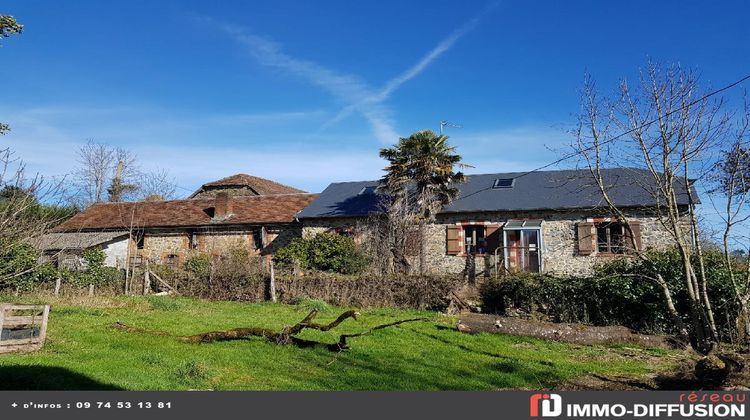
(222, 206)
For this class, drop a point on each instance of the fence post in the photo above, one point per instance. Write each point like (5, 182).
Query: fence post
(58, 284)
(272, 286)
(2, 318)
(91, 290)
(146, 280)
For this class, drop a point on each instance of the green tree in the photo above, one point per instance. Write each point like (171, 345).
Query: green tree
(420, 179)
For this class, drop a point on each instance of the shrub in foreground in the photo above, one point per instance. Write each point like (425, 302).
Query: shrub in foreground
(324, 252)
(619, 293)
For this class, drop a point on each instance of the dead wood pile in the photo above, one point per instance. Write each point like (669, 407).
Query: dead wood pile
(570, 333)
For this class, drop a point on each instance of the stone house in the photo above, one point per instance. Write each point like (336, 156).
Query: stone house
(555, 222)
(238, 212)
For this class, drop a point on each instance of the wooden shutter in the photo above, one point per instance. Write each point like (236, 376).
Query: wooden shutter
(453, 240)
(493, 238)
(635, 228)
(586, 238)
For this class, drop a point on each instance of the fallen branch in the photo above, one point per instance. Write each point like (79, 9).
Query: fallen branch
(285, 337)
(342, 338)
(567, 332)
(306, 322)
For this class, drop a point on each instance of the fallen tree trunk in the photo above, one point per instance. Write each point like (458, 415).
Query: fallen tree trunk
(284, 337)
(570, 333)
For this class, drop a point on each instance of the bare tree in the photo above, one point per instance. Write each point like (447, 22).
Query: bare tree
(387, 231)
(669, 128)
(22, 216)
(732, 176)
(96, 161)
(115, 171)
(157, 185)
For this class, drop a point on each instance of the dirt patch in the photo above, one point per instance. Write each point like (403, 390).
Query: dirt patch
(722, 371)
(569, 333)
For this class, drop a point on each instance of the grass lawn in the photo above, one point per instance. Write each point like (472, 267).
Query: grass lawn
(83, 352)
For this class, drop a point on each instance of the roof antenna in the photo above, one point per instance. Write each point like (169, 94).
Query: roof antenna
(445, 123)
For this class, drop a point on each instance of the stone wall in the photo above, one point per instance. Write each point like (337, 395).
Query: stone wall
(559, 241)
(311, 227)
(158, 244)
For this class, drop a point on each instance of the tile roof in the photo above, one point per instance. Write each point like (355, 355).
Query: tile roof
(192, 212)
(75, 240)
(542, 190)
(261, 186)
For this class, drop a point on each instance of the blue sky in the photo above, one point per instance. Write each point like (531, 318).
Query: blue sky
(307, 92)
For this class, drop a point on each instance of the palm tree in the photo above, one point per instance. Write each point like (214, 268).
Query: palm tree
(421, 178)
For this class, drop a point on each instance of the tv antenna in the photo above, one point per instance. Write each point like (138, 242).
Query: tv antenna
(445, 123)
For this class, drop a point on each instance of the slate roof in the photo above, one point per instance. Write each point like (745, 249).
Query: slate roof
(75, 240)
(261, 186)
(257, 209)
(542, 190)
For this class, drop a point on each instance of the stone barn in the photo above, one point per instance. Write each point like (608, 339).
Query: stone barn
(240, 212)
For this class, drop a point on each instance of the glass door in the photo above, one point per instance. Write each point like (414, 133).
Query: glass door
(522, 250)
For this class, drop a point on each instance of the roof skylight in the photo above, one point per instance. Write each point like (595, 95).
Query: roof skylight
(504, 183)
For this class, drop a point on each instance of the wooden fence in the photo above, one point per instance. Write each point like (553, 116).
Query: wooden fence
(22, 327)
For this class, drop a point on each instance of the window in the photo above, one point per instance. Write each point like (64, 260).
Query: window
(172, 261)
(466, 238)
(344, 231)
(193, 239)
(503, 183)
(523, 250)
(474, 239)
(136, 261)
(259, 238)
(140, 241)
(610, 237)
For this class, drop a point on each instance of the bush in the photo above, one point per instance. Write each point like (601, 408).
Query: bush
(235, 275)
(614, 295)
(324, 252)
(597, 301)
(96, 273)
(669, 264)
(199, 264)
(17, 260)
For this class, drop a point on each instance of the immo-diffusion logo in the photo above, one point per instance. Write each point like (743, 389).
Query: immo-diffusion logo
(551, 405)
(704, 405)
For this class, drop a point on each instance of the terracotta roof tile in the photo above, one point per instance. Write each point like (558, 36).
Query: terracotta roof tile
(192, 212)
(261, 186)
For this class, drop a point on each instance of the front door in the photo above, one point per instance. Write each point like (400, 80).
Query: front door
(522, 251)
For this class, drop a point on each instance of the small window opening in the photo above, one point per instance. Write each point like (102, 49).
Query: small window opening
(172, 261)
(193, 239)
(136, 261)
(140, 242)
(474, 239)
(610, 237)
(504, 183)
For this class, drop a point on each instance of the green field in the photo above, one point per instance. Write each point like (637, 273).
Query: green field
(83, 352)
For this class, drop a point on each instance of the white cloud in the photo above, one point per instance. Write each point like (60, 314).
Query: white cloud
(353, 91)
(392, 85)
